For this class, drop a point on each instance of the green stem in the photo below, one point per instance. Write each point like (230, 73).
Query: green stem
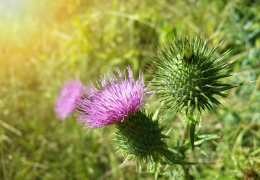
(177, 158)
(192, 129)
(187, 174)
(192, 134)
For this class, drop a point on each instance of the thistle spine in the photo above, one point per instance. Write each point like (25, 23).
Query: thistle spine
(189, 78)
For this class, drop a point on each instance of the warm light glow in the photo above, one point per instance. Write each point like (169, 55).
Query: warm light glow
(26, 26)
(11, 9)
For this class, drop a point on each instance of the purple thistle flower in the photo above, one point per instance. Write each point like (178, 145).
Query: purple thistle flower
(114, 101)
(67, 100)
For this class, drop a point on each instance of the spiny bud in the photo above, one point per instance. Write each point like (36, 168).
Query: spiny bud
(141, 137)
(189, 75)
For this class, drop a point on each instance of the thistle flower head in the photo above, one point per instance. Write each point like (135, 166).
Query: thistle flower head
(116, 99)
(141, 137)
(67, 101)
(189, 75)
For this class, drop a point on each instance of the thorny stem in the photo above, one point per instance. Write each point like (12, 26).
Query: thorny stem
(189, 133)
(191, 128)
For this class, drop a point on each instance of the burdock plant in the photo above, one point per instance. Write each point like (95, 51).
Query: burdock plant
(189, 78)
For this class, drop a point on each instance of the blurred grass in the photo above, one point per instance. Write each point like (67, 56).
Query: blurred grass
(96, 37)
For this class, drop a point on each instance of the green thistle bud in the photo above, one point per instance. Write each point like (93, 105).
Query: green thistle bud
(141, 137)
(189, 75)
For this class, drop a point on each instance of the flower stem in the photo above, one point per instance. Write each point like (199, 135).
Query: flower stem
(192, 134)
(187, 174)
(174, 158)
(191, 130)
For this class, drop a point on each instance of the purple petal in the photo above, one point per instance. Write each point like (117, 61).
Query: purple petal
(67, 100)
(114, 102)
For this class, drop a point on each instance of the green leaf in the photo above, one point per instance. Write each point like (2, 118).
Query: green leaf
(205, 137)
